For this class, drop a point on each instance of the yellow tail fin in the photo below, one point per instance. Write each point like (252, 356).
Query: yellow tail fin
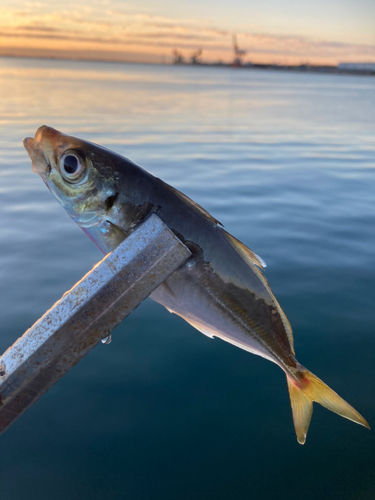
(309, 388)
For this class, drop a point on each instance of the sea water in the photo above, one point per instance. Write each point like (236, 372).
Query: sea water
(286, 161)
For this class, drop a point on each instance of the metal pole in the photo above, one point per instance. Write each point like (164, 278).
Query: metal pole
(85, 315)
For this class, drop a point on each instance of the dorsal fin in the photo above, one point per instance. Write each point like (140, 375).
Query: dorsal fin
(191, 202)
(244, 251)
(256, 264)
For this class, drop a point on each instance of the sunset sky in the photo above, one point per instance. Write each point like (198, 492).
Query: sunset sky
(288, 31)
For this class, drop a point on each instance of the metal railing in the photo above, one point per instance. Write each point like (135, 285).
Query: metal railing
(86, 315)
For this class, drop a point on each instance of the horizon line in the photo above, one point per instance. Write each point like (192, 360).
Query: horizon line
(246, 65)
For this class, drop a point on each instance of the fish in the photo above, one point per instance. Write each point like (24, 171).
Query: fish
(221, 290)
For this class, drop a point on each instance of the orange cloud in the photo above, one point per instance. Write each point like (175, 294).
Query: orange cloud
(36, 31)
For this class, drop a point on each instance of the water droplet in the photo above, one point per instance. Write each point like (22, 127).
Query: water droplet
(107, 340)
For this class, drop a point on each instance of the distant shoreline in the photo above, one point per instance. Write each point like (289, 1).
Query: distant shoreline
(302, 68)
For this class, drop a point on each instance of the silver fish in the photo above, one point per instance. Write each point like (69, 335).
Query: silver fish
(221, 290)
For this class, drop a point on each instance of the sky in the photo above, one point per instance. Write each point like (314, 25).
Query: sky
(270, 31)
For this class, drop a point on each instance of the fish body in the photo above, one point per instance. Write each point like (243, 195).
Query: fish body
(221, 290)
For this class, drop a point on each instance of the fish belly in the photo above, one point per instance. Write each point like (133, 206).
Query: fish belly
(191, 294)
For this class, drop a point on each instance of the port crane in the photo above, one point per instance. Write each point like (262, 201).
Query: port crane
(239, 54)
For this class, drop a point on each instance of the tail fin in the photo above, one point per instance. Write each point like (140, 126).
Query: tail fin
(309, 388)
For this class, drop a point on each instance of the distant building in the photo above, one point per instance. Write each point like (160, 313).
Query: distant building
(357, 66)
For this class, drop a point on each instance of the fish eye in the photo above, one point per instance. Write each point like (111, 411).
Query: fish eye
(71, 166)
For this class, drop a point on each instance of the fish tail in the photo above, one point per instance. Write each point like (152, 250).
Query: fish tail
(307, 388)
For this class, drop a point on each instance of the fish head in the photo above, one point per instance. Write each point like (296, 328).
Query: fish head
(83, 178)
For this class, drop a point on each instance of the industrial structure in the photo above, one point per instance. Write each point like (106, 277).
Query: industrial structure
(239, 54)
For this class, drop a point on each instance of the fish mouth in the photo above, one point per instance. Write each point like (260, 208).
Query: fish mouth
(28, 144)
(36, 150)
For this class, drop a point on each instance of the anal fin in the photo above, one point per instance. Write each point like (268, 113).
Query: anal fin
(201, 328)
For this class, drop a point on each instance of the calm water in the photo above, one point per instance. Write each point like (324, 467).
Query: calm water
(287, 163)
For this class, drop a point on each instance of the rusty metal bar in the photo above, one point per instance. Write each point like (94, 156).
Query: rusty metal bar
(85, 315)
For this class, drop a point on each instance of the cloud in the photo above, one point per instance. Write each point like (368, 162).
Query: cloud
(44, 28)
(53, 34)
(35, 28)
